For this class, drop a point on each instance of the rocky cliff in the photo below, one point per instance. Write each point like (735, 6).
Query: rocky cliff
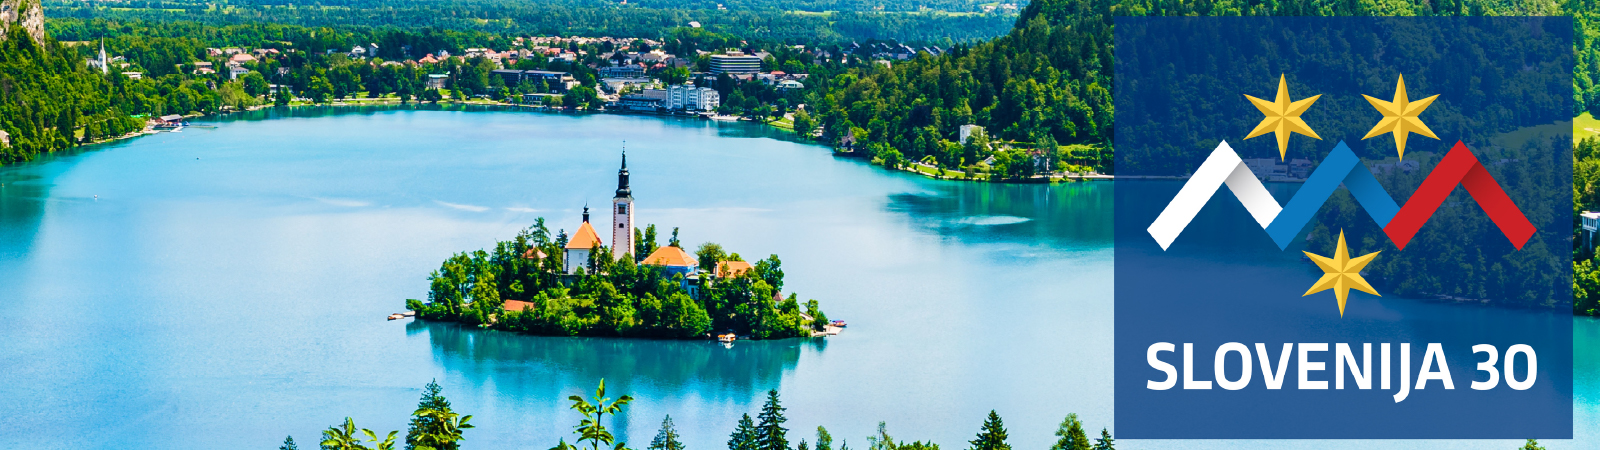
(29, 14)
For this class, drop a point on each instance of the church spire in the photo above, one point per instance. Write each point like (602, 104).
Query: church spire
(623, 191)
(586, 212)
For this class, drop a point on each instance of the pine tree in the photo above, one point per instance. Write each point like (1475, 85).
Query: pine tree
(824, 440)
(288, 444)
(1532, 444)
(993, 435)
(667, 438)
(1104, 442)
(1071, 434)
(744, 437)
(421, 424)
(771, 431)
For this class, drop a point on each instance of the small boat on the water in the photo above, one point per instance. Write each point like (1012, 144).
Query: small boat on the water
(726, 338)
(839, 323)
(396, 316)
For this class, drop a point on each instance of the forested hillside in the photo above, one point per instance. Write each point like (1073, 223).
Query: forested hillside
(49, 100)
(1044, 88)
(939, 22)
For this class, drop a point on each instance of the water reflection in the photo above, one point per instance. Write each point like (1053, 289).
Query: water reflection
(1070, 214)
(739, 371)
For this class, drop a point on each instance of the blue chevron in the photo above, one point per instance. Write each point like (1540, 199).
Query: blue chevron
(1341, 166)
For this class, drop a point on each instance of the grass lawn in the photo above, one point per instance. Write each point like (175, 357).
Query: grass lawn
(783, 123)
(1585, 126)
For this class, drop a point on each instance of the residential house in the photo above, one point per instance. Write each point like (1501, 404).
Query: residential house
(437, 80)
(967, 131)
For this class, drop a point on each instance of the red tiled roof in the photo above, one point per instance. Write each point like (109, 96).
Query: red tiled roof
(584, 239)
(533, 253)
(729, 269)
(670, 256)
(516, 305)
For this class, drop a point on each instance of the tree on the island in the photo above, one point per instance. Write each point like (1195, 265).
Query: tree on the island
(992, 436)
(288, 444)
(674, 241)
(342, 437)
(770, 433)
(1071, 435)
(667, 438)
(744, 436)
(770, 270)
(824, 440)
(1532, 444)
(708, 255)
(819, 320)
(1105, 441)
(644, 242)
(592, 428)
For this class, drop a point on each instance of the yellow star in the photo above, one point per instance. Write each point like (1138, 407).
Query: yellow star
(1400, 117)
(1341, 273)
(1283, 116)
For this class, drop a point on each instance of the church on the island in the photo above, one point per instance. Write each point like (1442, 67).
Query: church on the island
(586, 239)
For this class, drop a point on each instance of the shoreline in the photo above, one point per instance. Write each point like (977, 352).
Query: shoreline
(928, 172)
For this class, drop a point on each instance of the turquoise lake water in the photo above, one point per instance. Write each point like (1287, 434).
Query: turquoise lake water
(224, 287)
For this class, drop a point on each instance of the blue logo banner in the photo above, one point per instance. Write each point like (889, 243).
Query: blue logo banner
(1344, 228)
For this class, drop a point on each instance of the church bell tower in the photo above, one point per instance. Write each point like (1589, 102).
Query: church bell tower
(622, 213)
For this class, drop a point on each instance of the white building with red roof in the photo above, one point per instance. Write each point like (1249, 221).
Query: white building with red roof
(583, 242)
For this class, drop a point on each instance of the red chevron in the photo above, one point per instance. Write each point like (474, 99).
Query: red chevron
(1461, 167)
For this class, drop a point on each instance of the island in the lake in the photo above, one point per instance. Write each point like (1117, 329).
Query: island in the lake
(577, 286)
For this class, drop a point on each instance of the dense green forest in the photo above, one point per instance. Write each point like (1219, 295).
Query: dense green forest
(1044, 89)
(49, 100)
(435, 426)
(613, 296)
(947, 22)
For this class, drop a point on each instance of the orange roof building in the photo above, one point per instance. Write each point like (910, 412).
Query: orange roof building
(730, 269)
(674, 259)
(582, 243)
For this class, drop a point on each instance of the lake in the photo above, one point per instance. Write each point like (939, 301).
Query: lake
(224, 287)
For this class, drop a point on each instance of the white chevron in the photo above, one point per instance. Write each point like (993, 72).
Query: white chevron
(1222, 167)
